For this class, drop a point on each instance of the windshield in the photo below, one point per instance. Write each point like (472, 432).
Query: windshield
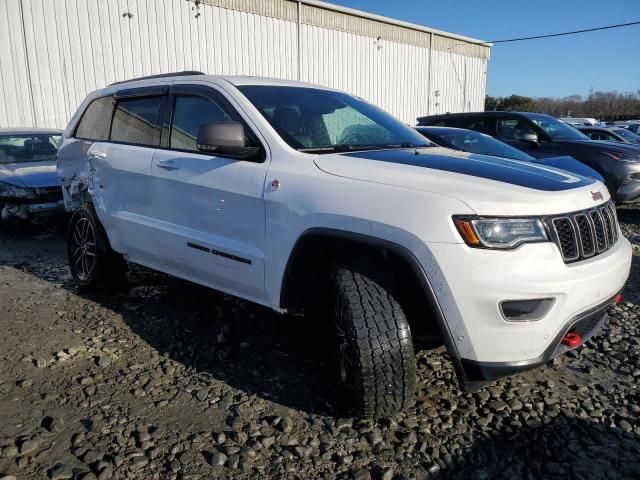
(627, 135)
(322, 121)
(556, 129)
(28, 148)
(475, 142)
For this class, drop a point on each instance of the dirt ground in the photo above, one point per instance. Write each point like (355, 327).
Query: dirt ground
(166, 379)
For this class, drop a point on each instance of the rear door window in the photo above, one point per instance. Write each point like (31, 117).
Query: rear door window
(138, 120)
(96, 120)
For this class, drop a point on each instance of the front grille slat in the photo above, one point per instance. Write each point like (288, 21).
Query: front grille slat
(584, 234)
(566, 238)
(606, 215)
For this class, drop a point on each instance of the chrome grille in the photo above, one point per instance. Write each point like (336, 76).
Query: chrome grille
(582, 235)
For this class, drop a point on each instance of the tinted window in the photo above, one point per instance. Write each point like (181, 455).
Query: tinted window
(556, 129)
(313, 119)
(137, 120)
(189, 113)
(513, 128)
(96, 120)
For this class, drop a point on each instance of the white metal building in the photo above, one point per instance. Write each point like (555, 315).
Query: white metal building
(53, 52)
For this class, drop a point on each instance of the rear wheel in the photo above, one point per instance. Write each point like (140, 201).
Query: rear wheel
(92, 261)
(375, 358)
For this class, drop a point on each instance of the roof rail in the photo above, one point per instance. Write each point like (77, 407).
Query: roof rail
(161, 75)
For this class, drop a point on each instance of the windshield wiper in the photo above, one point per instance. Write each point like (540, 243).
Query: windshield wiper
(345, 147)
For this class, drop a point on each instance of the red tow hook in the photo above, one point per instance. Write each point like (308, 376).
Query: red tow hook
(618, 298)
(571, 340)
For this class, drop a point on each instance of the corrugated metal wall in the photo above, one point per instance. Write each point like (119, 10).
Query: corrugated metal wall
(56, 51)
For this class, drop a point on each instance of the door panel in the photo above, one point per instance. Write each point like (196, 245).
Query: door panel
(121, 200)
(211, 218)
(209, 210)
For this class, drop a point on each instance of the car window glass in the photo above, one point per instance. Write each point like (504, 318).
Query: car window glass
(474, 123)
(513, 128)
(28, 148)
(137, 121)
(189, 113)
(96, 120)
(324, 120)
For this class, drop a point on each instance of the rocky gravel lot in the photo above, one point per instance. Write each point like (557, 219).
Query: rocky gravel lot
(166, 380)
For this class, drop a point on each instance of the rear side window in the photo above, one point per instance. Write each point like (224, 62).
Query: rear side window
(96, 120)
(137, 121)
(189, 113)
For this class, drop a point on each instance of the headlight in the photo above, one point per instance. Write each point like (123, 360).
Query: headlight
(503, 233)
(11, 191)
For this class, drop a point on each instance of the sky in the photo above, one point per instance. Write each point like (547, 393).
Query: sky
(554, 67)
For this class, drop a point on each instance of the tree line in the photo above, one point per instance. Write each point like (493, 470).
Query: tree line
(600, 105)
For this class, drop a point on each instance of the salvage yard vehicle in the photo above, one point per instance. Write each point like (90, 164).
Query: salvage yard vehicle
(309, 200)
(611, 134)
(544, 136)
(476, 142)
(29, 187)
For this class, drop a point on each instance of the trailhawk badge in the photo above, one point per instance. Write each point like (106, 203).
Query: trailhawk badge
(597, 196)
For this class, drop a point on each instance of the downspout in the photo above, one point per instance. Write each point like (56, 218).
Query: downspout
(26, 55)
(299, 32)
(429, 75)
(464, 90)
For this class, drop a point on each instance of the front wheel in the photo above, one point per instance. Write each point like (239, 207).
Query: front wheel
(375, 358)
(91, 260)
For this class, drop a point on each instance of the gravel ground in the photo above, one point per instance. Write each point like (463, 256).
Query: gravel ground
(167, 380)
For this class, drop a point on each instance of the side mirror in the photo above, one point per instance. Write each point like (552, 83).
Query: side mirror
(225, 138)
(529, 138)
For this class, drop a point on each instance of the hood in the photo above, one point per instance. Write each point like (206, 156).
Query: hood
(488, 185)
(627, 148)
(569, 164)
(30, 174)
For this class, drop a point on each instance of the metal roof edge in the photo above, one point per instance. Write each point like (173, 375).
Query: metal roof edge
(391, 21)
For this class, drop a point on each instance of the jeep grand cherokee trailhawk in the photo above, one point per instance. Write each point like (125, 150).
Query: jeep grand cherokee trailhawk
(310, 200)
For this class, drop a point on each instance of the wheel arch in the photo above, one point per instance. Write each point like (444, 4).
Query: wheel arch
(317, 240)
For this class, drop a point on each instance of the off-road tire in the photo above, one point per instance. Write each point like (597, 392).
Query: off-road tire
(100, 267)
(376, 363)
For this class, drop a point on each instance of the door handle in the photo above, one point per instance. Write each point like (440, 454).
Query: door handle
(168, 165)
(96, 154)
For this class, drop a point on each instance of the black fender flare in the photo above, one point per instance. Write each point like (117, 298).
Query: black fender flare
(406, 255)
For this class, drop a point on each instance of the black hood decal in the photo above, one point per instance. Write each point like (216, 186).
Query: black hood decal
(491, 168)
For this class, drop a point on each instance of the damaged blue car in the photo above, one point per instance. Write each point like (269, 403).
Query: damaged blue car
(29, 188)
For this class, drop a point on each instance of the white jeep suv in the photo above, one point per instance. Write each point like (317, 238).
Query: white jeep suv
(310, 200)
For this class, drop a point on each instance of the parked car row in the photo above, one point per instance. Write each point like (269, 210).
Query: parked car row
(544, 136)
(476, 142)
(611, 134)
(308, 200)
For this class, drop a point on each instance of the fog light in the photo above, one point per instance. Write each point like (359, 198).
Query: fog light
(526, 310)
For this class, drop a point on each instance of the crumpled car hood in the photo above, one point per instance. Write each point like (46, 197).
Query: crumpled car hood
(30, 174)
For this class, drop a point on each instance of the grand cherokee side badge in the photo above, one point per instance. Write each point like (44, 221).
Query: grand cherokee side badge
(597, 196)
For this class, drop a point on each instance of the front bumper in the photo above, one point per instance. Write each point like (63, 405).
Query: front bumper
(476, 281)
(31, 211)
(628, 192)
(477, 374)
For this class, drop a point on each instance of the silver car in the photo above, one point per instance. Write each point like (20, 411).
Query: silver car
(29, 188)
